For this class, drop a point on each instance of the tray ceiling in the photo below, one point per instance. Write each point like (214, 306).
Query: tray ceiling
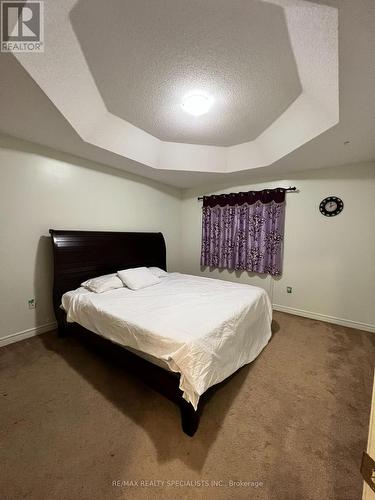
(154, 53)
(77, 117)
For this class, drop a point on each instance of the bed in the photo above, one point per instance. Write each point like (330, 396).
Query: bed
(184, 335)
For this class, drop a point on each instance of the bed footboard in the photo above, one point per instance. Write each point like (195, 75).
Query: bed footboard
(162, 381)
(189, 418)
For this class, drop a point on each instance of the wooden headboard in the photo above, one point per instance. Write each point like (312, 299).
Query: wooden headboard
(80, 255)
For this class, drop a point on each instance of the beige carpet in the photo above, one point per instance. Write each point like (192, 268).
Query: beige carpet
(292, 425)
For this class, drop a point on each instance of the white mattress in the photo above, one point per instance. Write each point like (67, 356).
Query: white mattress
(204, 329)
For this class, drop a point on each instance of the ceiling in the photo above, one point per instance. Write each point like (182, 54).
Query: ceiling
(28, 113)
(159, 51)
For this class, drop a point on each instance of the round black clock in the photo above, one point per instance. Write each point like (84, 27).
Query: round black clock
(331, 206)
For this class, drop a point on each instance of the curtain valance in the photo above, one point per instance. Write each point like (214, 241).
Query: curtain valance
(265, 196)
(244, 231)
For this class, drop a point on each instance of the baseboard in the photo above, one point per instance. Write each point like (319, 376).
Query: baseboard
(32, 332)
(25, 334)
(323, 317)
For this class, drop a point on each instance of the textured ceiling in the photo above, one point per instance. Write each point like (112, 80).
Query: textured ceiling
(155, 52)
(63, 74)
(27, 111)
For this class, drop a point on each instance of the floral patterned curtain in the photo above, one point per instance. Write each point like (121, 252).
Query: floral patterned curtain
(244, 231)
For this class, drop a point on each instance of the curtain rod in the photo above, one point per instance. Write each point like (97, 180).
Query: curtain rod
(288, 190)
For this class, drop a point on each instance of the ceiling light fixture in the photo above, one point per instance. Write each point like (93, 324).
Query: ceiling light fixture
(197, 104)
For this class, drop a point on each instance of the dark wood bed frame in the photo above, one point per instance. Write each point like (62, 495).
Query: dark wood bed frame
(80, 255)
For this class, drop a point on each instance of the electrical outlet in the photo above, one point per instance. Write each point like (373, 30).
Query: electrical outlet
(31, 303)
(289, 289)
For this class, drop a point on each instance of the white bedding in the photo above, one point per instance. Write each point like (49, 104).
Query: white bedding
(203, 328)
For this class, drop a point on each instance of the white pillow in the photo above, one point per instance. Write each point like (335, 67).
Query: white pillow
(103, 283)
(138, 277)
(159, 273)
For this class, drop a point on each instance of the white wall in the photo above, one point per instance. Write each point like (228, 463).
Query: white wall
(41, 189)
(330, 263)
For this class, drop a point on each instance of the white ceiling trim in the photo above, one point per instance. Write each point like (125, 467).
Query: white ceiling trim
(63, 74)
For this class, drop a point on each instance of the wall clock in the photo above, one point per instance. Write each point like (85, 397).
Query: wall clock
(331, 206)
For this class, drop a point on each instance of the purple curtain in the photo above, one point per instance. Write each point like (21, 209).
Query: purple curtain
(244, 231)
